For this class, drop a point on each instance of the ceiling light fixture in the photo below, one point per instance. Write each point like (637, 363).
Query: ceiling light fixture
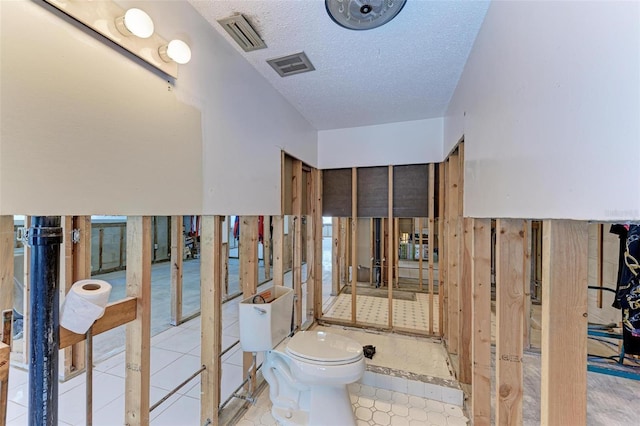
(363, 14)
(177, 51)
(135, 22)
(113, 22)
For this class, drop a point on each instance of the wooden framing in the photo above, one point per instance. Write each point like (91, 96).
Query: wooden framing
(266, 247)
(249, 276)
(453, 253)
(372, 249)
(431, 242)
(7, 241)
(317, 238)
(75, 265)
(509, 320)
(390, 244)
(396, 255)
(297, 240)
(115, 314)
(526, 285)
(336, 258)
(177, 255)
(354, 242)
(5, 352)
(600, 265)
(481, 322)
(310, 244)
(442, 248)
(564, 303)
(465, 320)
(278, 250)
(210, 317)
(138, 332)
(26, 322)
(419, 252)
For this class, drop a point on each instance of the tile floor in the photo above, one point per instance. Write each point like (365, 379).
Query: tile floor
(373, 406)
(412, 315)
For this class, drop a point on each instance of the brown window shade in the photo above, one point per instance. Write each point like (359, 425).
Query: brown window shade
(336, 192)
(411, 190)
(373, 191)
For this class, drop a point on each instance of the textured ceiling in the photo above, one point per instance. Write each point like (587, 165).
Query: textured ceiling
(404, 70)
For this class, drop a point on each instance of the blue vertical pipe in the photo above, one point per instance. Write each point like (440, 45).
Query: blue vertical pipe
(45, 237)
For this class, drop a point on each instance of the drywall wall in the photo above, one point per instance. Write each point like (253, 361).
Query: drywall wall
(549, 106)
(86, 128)
(408, 142)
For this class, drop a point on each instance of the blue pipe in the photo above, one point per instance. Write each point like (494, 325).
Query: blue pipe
(45, 237)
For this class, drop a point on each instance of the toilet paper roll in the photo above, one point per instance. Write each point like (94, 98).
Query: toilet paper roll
(84, 304)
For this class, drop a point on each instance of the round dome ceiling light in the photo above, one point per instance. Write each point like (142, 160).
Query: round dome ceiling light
(135, 22)
(177, 51)
(363, 14)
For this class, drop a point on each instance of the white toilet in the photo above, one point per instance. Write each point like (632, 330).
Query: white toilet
(308, 373)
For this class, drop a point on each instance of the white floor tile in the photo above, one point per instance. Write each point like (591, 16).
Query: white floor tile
(184, 411)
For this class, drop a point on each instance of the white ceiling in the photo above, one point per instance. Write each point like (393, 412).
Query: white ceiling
(404, 70)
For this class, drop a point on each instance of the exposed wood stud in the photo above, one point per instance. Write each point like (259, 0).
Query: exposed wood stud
(526, 285)
(211, 317)
(481, 314)
(509, 320)
(564, 302)
(442, 249)
(310, 228)
(464, 350)
(278, 250)
(318, 236)
(354, 242)
(249, 275)
(336, 256)
(431, 242)
(390, 250)
(453, 253)
(396, 251)
(5, 352)
(177, 255)
(600, 265)
(266, 247)
(297, 239)
(7, 240)
(138, 332)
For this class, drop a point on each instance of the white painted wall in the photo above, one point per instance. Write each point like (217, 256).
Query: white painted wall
(408, 142)
(549, 105)
(88, 129)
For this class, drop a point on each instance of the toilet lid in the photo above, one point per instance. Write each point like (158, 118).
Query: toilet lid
(324, 347)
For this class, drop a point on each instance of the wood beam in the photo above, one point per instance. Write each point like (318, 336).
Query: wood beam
(465, 320)
(481, 319)
(318, 226)
(266, 247)
(278, 250)
(138, 332)
(336, 258)
(5, 352)
(600, 264)
(297, 239)
(7, 243)
(249, 276)
(442, 247)
(564, 322)
(177, 256)
(115, 314)
(526, 285)
(210, 317)
(390, 244)
(431, 241)
(509, 320)
(354, 242)
(453, 254)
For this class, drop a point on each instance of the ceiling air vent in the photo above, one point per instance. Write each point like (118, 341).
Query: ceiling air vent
(291, 64)
(242, 32)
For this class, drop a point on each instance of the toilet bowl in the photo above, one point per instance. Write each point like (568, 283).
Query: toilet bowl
(308, 376)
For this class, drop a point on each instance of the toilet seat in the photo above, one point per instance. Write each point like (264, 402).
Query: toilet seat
(319, 347)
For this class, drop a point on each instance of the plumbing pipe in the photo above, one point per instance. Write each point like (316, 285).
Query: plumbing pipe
(45, 237)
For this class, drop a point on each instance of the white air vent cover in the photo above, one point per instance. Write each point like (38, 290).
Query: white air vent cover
(242, 32)
(291, 64)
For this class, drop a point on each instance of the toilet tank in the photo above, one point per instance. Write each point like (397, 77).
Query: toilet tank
(265, 324)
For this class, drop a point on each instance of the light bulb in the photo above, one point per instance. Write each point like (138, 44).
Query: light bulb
(177, 51)
(135, 22)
